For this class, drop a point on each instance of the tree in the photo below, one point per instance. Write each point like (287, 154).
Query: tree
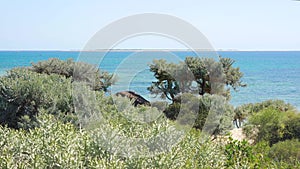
(195, 75)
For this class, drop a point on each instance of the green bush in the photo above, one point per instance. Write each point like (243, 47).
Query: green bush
(273, 125)
(280, 105)
(60, 145)
(210, 111)
(270, 126)
(52, 145)
(23, 93)
(287, 151)
(78, 71)
(292, 126)
(244, 111)
(238, 153)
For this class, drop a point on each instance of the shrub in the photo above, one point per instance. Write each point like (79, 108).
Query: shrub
(287, 151)
(244, 111)
(52, 145)
(292, 126)
(269, 125)
(238, 153)
(210, 111)
(78, 71)
(160, 105)
(273, 125)
(60, 145)
(23, 93)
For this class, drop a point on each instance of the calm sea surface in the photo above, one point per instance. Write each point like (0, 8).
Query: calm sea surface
(268, 75)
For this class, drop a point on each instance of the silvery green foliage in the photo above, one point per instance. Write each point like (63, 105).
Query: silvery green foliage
(78, 71)
(212, 113)
(195, 75)
(58, 145)
(61, 145)
(23, 93)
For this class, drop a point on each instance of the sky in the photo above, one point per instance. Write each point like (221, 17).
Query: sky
(228, 25)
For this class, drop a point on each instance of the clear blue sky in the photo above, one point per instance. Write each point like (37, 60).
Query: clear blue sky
(228, 24)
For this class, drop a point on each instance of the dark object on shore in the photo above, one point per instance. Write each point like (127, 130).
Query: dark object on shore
(138, 99)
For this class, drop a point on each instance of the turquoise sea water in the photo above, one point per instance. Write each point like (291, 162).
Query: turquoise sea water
(268, 75)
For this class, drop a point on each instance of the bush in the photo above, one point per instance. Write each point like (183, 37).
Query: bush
(273, 125)
(292, 126)
(269, 125)
(23, 93)
(244, 111)
(238, 153)
(60, 145)
(78, 71)
(210, 111)
(287, 151)
(160, 105)
(52, 145)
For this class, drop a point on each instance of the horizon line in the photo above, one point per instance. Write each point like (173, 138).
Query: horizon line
(163, 49)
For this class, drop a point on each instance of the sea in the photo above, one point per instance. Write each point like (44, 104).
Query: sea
(268, 74)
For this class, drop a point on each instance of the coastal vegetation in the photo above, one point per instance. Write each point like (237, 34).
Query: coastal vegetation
(40, 127)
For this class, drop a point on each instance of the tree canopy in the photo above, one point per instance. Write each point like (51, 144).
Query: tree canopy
(195, 75)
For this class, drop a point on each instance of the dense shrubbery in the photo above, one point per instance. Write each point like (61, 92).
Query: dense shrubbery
(39, 102)
(278, 125)
(273, 125)
(47, 85)
(23, 93)
(59, 145)
(210, 111)
(286, 151)
(245, 110)
(240, 154)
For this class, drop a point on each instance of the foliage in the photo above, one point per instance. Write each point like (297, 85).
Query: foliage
(23, 93)
(42, 104)
(46, 85)
(194, 75)
(287, 151)
(270, 127)
(160, 105)
(210, 111)
(239, 154)
(55, 144)
(52, 145)
(246, 110)
(233, 75)
(274, 125)
(292, 126)
(58, 145)
(78, 71)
